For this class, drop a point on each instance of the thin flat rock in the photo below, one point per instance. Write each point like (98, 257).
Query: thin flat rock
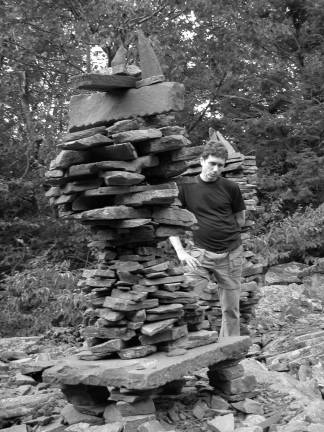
(186, 153)
(114, 212)
(82, 134)
(116, 152)
(152, 197)
(121, 178)
(174, 216)
(67, 158)
(167, 170)
(165, 231)
(81, 186)
(136, 135)
(164, 144)
(86, 143)
(103, 108)
(157, 327)
(101, 82)
(122, 126)
(145, 373)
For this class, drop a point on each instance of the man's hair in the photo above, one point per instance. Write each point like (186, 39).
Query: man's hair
(214, 148)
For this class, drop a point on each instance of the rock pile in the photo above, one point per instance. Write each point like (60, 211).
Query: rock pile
(117, 173)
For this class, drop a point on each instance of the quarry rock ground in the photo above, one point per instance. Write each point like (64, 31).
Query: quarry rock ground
(286, 358)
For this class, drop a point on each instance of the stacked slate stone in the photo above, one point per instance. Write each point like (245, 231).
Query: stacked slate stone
(115, 174)
(241, 169)
(230, 382)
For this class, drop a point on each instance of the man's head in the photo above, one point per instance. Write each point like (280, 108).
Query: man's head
(212, 160)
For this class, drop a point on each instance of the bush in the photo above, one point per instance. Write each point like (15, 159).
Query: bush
(299, 236)
(39, 297)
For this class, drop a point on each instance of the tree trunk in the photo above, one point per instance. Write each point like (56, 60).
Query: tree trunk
(32, 139)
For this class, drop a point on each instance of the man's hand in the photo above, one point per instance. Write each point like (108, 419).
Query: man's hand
(190, 261)
(183, 256)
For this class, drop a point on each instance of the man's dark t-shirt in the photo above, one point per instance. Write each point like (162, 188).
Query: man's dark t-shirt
(214, 205)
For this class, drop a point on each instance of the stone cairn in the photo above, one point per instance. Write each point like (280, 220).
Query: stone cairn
(120, 180)
(117, 173)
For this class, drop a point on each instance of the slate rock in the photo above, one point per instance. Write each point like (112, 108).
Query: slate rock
(21, 379)
(226, 373)
(10, 355)
(87, 143)
(136, 135)
(221, 423)
(103, 108)
(161, 145)
(116, 152)
(131, 423)
(157, 369)
(254, 420)
(71, 415)
(122, 126)
(218, 403)
(112, 414)
(176, 352)
(314, 286)
(4, 366)
(137, 352)
(21, 405)
(193, 340)
(141, 407)
(151, 426)
(200, 409)
(237, 385)
(314, 412)
(157, 327)
(24, 390)
(85, 394)
(314, 427)
(249, 429)
(85, 427)
(15, 428)
(82, 134)
(166, 335)
(248, 406)
(113, 212)
(66, 158)
(113, 345)
(102, 82)
(121, 178)
(284, 273)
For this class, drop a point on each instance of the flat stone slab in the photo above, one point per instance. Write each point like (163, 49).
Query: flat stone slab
(87, 111)
(148, 372)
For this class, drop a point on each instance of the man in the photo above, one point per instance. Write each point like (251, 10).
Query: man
(219, 208)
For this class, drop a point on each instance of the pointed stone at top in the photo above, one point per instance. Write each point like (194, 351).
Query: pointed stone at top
(150, 66)
(218, 137)
(120, 56)
(118, 63)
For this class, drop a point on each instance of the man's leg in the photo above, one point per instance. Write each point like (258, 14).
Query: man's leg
(200, 277)
(230, 304)
(228, 274)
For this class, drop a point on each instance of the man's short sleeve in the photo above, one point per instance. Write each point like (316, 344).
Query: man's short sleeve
(238, 204)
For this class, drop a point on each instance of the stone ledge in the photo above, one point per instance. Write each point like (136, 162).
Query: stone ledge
(145, 373)
(97, 109)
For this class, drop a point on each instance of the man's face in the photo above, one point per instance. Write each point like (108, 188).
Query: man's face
(211, 168)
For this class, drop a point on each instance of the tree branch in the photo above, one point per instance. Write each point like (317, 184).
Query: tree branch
(202, 114)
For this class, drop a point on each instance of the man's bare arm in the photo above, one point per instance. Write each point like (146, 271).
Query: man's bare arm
(183, 256)
(240, 218)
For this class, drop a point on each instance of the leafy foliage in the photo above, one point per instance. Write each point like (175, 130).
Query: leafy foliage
(299, 236)
(39, 297)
